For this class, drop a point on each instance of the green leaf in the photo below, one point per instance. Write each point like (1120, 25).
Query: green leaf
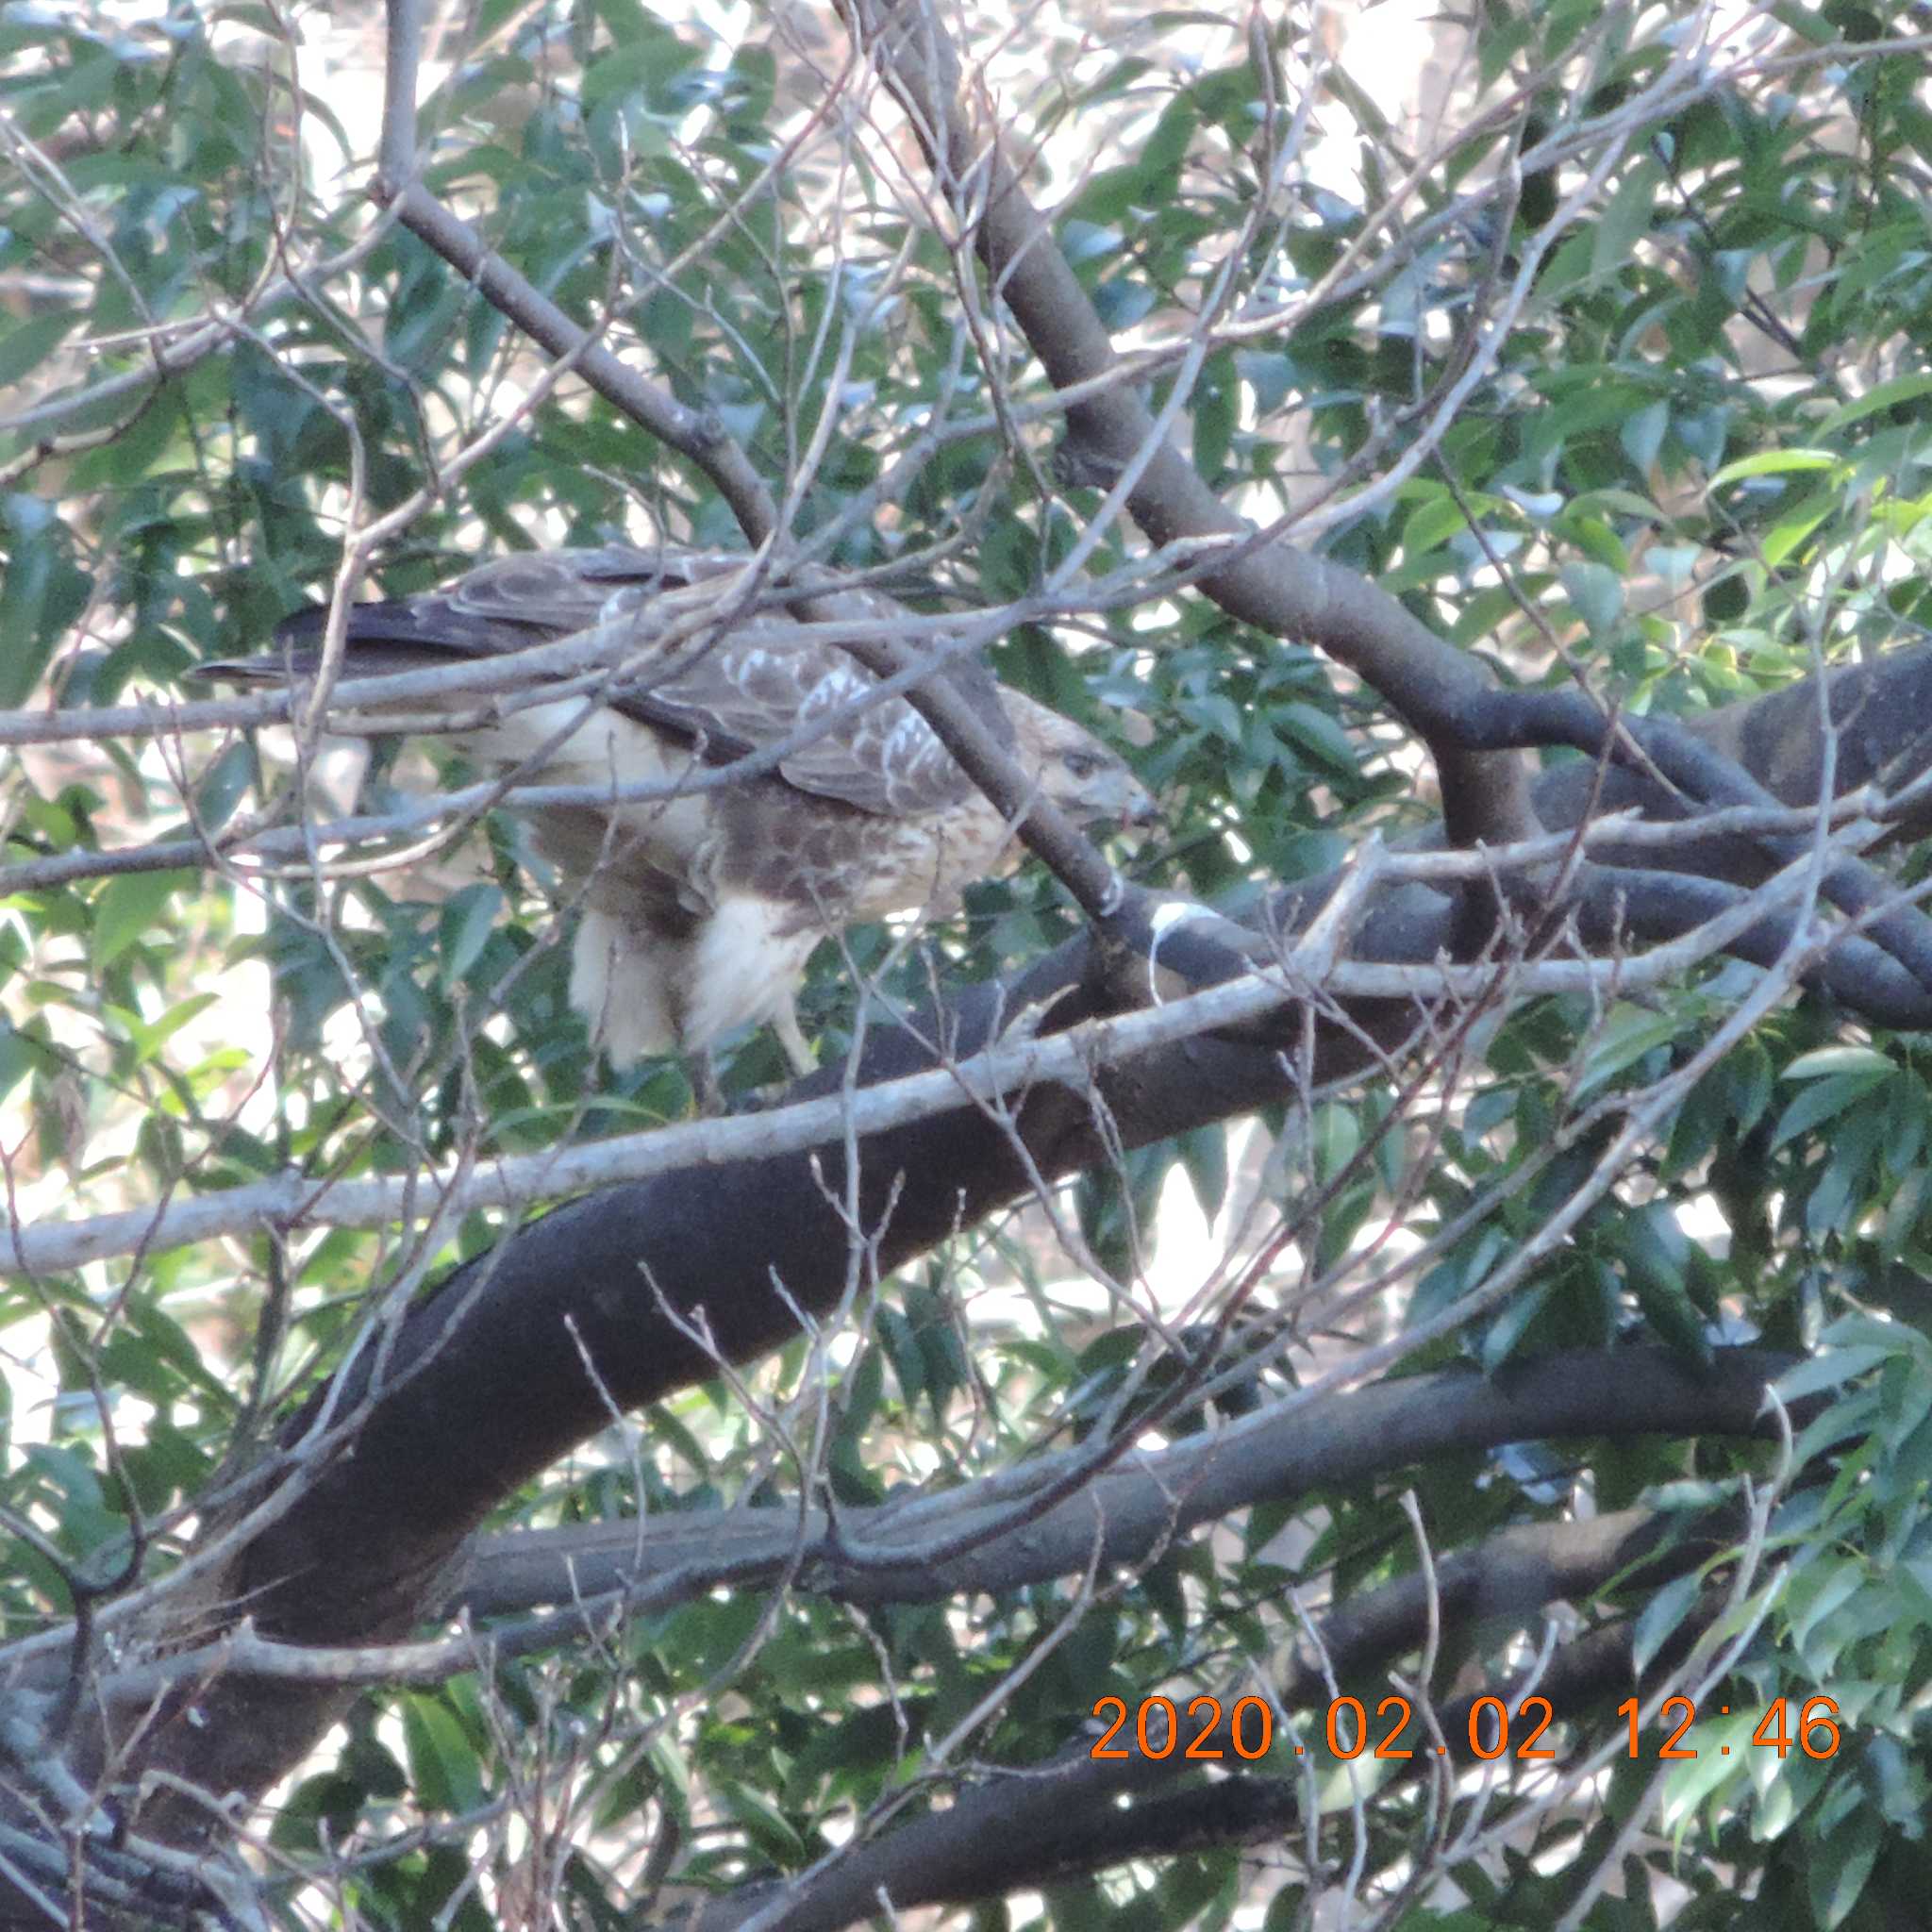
(1627, 220)
(1790, 532)
(651, 59)
(223, 784)
(1660, 1618)
(42, 592)
(24, 346)
(463, 930)
(128, 906)
(1776, 463)
(1335, 1136)
(1596, 594)
(1203, 1155)
(1713, 1769)
(1642, 437)
(1123, 299)
(1166, 148)
(1654, 1253)
(1838, 1060)
(764, 1824)
(1317, 734)
(20, 1056)
(1625, 1038)
(149, 1038)
(1432, 524)
(1503, 1335)
(1824, 1099)
(1821, 1588)
(1901, 389)
(1828, 1370)
(442, 1763)
(1837, 1873)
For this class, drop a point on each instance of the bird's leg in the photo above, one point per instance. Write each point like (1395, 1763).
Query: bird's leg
(797, 1048)
(701, 1069)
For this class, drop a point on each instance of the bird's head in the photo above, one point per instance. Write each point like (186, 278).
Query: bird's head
(1090, 782)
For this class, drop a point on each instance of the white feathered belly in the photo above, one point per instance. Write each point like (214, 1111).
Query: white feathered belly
(644, 993)
(645, 988)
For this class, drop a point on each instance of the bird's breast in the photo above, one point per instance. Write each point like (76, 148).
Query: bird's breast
(569, 743)
(557, 744)
(923, 863)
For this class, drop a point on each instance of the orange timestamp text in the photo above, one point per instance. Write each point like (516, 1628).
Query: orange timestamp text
(1153, 1728)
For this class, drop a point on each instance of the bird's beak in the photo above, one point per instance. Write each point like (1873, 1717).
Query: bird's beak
(1141, 808)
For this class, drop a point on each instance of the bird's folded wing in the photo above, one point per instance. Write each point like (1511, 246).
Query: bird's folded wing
(732, 692)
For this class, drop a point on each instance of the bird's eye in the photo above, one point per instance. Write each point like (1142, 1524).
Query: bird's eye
(1083, 764)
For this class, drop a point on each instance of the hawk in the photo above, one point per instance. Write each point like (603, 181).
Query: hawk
(701, 907)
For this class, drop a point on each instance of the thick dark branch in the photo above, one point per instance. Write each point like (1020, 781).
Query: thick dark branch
(1030, 1827)
(1706, 774)
(1615, 907)
(1877, 735)
(1270, 585)
(493, 1361)
(701, 438)
(1879, 713)
(1508, 1579)
(1330, 1442)
(1447, 697)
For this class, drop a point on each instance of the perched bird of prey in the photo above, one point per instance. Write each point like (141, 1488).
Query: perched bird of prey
(701, 907)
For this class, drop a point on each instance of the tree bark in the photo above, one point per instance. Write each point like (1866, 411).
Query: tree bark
(486, 1382)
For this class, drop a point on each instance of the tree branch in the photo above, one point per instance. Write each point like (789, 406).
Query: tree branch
(1129, 1512)
(1029, 1826)
(1047, 831)
(1264, 583)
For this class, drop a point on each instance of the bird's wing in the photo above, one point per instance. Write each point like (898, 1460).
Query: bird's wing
(510, 603)
(731, 693)
(767, 676)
